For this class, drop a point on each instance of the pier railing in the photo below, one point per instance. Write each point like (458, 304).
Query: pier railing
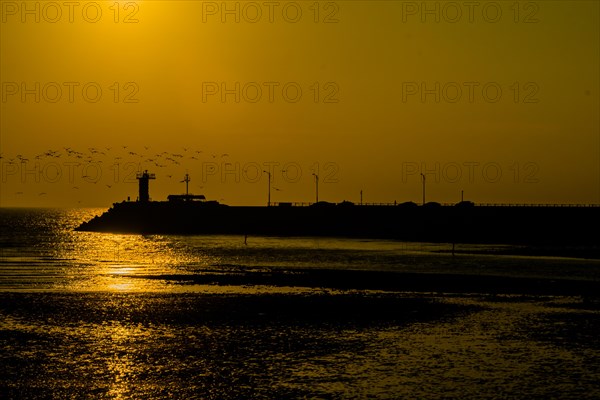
(558, 205)
(534, 205)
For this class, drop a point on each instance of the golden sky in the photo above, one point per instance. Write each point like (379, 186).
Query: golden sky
(499, 99)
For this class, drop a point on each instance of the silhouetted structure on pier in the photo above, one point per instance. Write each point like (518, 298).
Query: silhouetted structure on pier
(144, 192)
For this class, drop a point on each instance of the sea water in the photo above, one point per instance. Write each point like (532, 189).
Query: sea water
(97, 315)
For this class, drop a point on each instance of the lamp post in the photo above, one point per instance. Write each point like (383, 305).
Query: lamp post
(269, 189)
(316, 186)
(187, 180)
(423, 179)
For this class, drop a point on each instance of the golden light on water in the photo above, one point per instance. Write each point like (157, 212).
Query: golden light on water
(120, 366)
(89, 314)
(118, 262)
(124, 287)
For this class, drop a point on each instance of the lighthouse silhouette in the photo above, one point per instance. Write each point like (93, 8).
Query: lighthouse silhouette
(144, 178)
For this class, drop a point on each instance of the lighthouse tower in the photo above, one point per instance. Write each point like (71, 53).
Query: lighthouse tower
(144, 178)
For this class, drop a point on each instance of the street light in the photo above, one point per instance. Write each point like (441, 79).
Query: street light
(423, 179)
(269, 189)
(187, 180)
(316, 186)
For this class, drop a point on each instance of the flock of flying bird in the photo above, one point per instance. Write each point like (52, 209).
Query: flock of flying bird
(111, 157)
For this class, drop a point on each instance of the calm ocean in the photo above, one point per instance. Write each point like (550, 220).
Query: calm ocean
(92, 315)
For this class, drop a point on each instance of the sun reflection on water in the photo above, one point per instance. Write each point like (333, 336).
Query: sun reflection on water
(115, 262)
(120, 365)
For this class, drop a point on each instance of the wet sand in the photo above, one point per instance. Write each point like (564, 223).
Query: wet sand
(288, 346)
(328, 343)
